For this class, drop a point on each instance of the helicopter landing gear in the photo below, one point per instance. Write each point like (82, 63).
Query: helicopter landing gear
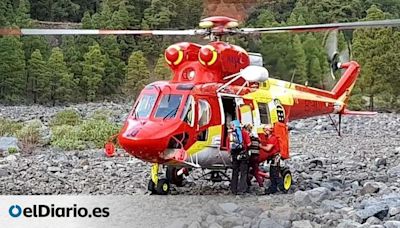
(174, 177)
(156, 185)
(217, 176)
(287, 179)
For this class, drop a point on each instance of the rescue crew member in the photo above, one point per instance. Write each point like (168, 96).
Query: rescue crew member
(238, 145)
(254, 151)
(270, 146)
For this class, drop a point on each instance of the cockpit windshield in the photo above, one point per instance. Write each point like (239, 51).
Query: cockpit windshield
(168, 106)
(145, 106)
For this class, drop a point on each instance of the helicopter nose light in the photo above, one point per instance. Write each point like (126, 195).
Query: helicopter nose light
(189, 73)
(174, 55)
(208, 55)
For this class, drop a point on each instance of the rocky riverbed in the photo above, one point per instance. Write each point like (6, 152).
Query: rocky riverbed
(348, 181)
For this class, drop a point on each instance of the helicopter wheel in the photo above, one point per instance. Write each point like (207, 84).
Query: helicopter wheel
(163, 187)
(151, 187)
(173, 177)
(287, 179)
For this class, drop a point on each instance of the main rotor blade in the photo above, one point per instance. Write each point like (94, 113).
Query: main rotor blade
(331, 43)
(27, 32)
(324, 27)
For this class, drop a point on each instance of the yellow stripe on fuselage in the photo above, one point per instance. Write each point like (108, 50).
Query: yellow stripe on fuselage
(213, 131)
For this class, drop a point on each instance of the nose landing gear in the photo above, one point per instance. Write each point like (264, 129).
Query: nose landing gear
(156, 185)
(161, 186)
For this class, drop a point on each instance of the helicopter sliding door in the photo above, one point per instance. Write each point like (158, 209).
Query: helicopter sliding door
(233, 108)
(228, 113)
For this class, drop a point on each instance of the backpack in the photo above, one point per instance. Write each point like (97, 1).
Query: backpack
(234, 141)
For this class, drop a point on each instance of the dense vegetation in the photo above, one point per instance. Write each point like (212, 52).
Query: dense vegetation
(55, 70)
(68, 130)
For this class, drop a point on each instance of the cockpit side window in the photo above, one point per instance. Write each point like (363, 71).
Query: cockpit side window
(145, 106)
(188, 111)
(168, 106)
(204, 112)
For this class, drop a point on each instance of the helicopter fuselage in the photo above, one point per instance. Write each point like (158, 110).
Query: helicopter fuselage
(185, 124)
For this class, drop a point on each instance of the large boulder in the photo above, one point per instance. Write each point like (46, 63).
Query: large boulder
(372, 187)
(283, 215)
(349, 224)
(392, 224)
(319, 194)
(332, 205)
(269, 223)
(379, 210)
(228, 207)
(302, 224)
(6, 143)
(394, 172)
(302, 198)
(3, 173)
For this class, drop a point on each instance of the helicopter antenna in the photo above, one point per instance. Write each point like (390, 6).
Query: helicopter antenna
(291, 80)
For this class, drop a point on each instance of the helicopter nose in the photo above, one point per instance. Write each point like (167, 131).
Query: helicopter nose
(145, 149)
(146, 141)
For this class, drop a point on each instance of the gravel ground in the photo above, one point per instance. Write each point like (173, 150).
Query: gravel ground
(348, 181)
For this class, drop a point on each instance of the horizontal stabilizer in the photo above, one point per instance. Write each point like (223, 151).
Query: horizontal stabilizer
(360, 113)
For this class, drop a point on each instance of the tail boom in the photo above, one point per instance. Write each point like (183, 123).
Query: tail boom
(309, 102)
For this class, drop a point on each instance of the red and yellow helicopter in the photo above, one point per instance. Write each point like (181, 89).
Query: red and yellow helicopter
(182, 123)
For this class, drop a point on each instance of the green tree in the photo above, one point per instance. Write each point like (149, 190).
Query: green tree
(90, 6)
(299, 61)
(188, 13)
(114, 66)
(161, 70)
(391, 68)
(316, 61)
(72, 54)
(32, 43)
(300, 15)
(6, 13)
(280, 9)
(64, 10)
(370, 49)
(137, 74)
(120, 18)
(22, 17)
(87, 21)
(61, 80)
(93, 71)
(389, 6)
(326, 11)
(12, 70)
(159, 14)
(103, 19)
(136, 10)
(38, 78)
(356, 101)
(60, 10)
(68, 86)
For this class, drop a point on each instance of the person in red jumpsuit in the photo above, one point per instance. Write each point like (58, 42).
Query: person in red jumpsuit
(269, 150)
(254, 151)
